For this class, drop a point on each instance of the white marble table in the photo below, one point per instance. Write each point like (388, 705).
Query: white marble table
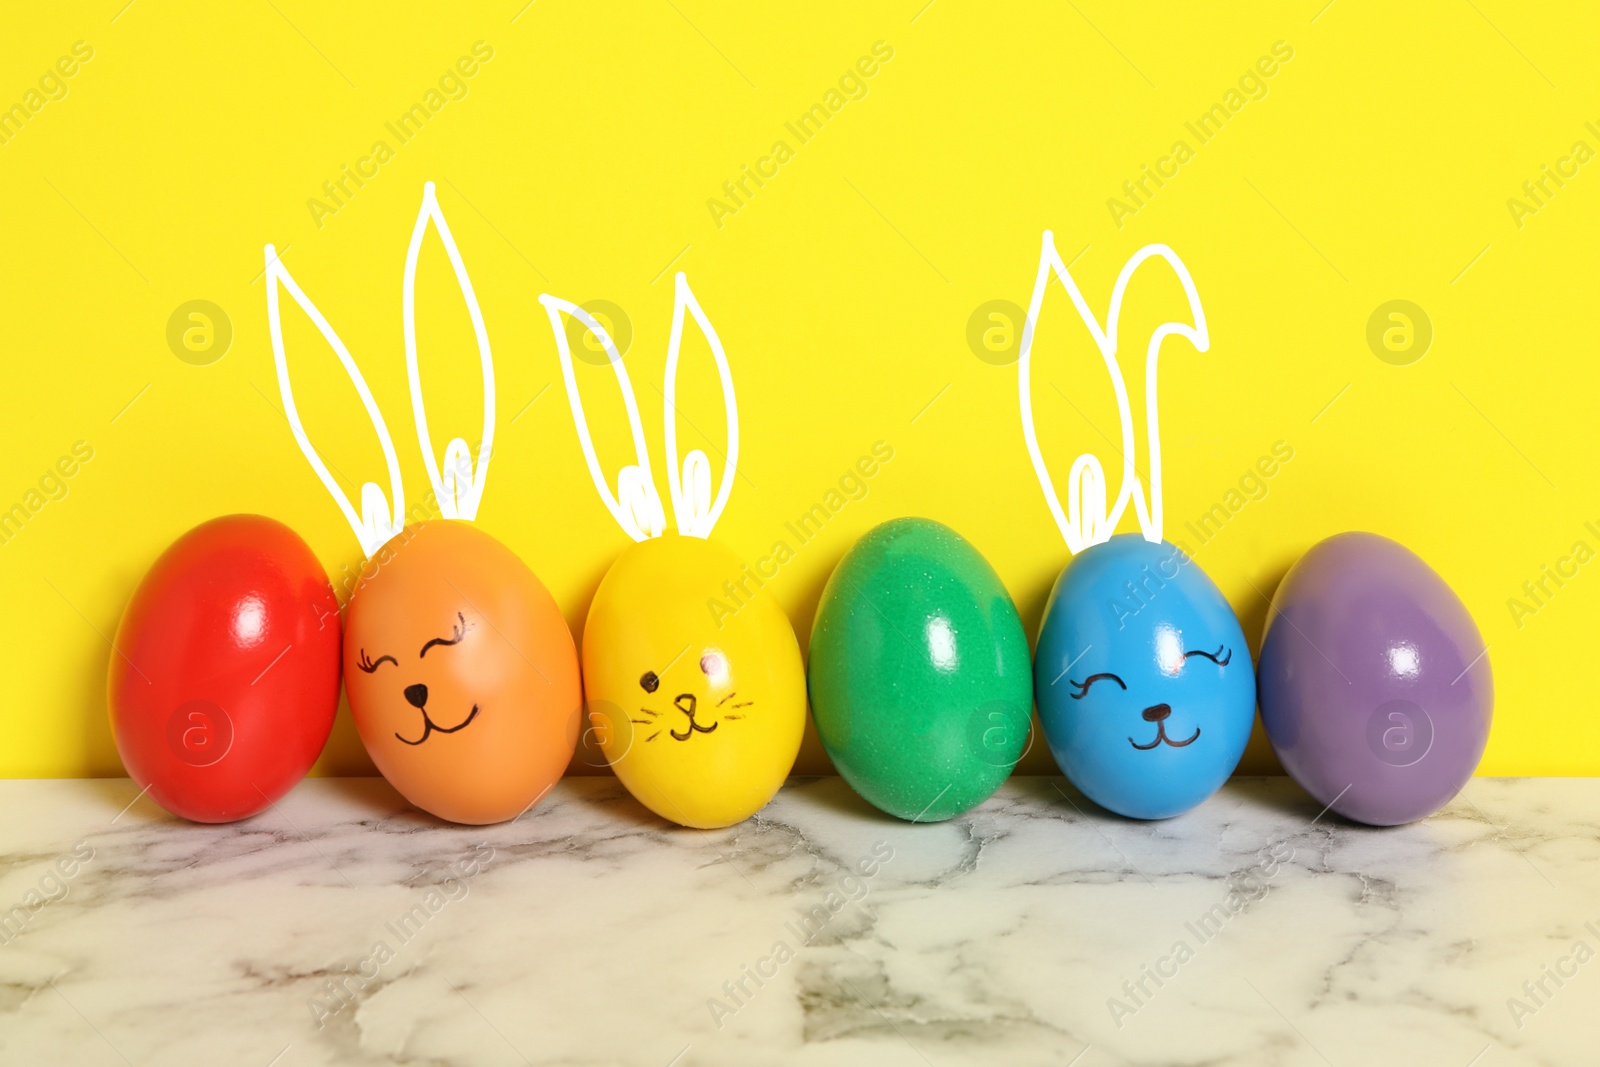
(588, 932)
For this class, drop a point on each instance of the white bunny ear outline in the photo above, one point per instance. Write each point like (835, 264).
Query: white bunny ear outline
(692, 507)
(459, 489)
(374, 525)
(1087, 520)
(636, 505)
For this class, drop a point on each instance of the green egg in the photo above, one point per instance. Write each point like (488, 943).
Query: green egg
(921, 682)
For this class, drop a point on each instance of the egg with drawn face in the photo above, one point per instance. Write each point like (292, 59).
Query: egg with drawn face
(462, 674)
(1144, 685)
(695, 688)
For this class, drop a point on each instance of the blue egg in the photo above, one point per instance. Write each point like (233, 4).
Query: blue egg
(1144, 684)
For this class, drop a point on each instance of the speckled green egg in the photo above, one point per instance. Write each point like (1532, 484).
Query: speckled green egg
(921, 683)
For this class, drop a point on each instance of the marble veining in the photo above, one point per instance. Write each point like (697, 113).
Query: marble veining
(341, 927)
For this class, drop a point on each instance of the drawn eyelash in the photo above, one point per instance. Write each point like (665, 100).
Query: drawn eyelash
(1083, 686)
(369, 665)
(1225, 654)
(459, 631)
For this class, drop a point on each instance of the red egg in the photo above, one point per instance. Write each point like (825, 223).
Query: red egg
(224, 676)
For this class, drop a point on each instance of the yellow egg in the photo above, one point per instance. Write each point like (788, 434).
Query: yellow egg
(694, 683)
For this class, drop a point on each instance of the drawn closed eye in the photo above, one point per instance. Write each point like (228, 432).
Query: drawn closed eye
(369, 665)
(460, 631)
(1221, 657)
(1083, 686)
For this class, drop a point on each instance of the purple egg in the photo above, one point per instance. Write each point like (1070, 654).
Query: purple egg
(1374, 685)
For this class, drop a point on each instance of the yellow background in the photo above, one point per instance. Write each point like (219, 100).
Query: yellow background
(580, 162)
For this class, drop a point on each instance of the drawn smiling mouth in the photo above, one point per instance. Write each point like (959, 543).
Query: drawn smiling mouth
(429, 727)
(685, 703)
(1157, 713)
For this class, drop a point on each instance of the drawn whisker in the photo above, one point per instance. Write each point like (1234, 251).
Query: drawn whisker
(653, 736)
(648, 712)
(733, 717)
(645, 721)
(745, 704)
(727, 698)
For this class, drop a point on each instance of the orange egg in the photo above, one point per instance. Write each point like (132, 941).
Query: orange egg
(462, 674)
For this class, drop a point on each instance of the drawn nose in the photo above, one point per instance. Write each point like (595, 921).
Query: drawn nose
(685, 703)
(417, 696)
(1157, 712)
